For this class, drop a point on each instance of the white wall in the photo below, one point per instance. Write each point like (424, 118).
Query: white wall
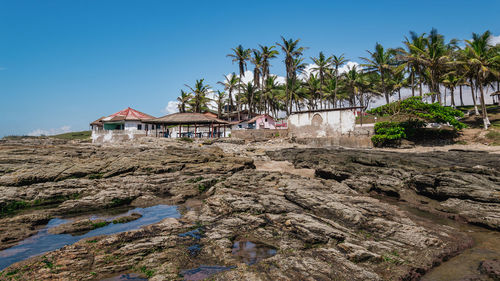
(328, 123)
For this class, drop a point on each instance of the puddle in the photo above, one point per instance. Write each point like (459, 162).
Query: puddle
(124, 277)
(195, 234)
(465, 265)
(44, 242)
(203, 272)
(251, 253)
(283, 167)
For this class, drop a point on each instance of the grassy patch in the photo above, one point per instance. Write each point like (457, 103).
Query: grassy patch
(148, 272)
(120, 202)
(83, 135)
(96, 176)
(100, 224)
(186, 139)
(494, 136)
(91, 241)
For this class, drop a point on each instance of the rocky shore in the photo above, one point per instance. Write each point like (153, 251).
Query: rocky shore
(328, 214)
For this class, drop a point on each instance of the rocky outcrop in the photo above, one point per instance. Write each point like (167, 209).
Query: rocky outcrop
(463, 184)
(330, 226)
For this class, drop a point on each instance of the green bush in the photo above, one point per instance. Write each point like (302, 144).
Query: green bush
(186, 139)
(413, 108)
(388, 133)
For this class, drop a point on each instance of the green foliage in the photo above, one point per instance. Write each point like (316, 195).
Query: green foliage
(48, 263)
(100, 224)
(415, 108)
(83, 135)
(12, 207)
(186, 139)
(494, 136)
(388, 133)
(148, 272)
(115, 202)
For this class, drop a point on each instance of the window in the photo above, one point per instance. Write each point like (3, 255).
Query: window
(266, 120)
(139, 126)
(146, 127)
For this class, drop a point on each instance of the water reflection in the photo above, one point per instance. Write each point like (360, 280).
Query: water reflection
(251, 253)
(44, 242)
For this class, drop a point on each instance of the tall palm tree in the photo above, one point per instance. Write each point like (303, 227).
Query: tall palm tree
(323, 67)
(230, 84)
(411, 57)
(241, 56)
(200, 100)
(337, 61)
(267, 53)
(256, 60)
(382, 62)
(183, 101)
(291, 50)
(483, 60)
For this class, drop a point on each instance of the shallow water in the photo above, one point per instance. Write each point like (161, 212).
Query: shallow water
(203, 272)
(486, 246)
(44, 242)
(251, 253)
(125, 277)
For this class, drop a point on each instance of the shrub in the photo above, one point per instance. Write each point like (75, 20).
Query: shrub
(388, 133)
(186, 139)
(413, 108)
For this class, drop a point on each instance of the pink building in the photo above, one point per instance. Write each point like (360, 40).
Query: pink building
(262, 122)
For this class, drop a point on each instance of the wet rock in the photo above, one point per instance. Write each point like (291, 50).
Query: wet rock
(79, 227)
(491, 268)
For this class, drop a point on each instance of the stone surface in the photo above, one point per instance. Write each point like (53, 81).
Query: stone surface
(333, 225)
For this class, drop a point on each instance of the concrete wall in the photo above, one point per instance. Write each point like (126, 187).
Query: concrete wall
(321, 124)
(259, 135)
(359, 137)
(110, 136)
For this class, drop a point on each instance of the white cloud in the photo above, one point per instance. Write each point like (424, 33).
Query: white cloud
(495, 40)
(3, 68)
(50, 132)
(171, 107)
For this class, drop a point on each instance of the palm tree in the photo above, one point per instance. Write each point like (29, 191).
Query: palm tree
(323, 67)
(241, 56)
(230, 84)
(183, 101)
(267, 54)
(220, 101)
(451, 81)
(257, 72)
(483, 60)
(412, 59)
(312, 88)
(337, 62)
(291, 51)
(200, 100)
(382, 62)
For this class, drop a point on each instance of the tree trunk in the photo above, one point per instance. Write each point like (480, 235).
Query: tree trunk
(453, 97)
(461, 97)
(476, 111)
(486, 121)
(412, 76)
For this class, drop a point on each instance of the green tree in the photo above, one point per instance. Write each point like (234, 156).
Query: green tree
(199, 91)
(292, 51)
(382, 62)
(484, 61)
(183, 101)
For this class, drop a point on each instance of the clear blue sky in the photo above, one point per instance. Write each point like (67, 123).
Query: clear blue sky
(68, 62)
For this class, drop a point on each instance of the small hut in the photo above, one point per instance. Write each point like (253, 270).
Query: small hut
(195, 125)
